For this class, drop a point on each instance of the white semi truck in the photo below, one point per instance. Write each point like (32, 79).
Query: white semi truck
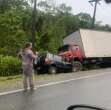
(86, 47)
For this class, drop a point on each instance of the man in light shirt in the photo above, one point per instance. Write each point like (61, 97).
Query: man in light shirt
(28, 57)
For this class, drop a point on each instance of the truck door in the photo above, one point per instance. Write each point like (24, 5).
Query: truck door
(76, 51)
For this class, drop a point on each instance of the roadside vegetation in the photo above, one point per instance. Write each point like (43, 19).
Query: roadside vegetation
(53, 23)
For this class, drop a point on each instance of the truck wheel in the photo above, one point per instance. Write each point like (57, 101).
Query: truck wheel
(52, 70)
(77, 66)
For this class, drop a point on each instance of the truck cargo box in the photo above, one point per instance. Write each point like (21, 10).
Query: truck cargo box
(92, 43)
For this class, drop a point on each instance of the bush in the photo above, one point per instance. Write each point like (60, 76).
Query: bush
(9, 65)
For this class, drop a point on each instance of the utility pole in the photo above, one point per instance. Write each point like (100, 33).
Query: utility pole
(95, 8)
(34, 24)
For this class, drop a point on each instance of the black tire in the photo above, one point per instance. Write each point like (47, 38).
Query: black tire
(77, 66)
(52, 70)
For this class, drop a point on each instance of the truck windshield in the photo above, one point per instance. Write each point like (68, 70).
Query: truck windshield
(63, 48)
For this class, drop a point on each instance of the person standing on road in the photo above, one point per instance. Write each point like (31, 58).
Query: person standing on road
(28, 57)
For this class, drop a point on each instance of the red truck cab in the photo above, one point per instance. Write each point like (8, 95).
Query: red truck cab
(70, 51)
(73, 54)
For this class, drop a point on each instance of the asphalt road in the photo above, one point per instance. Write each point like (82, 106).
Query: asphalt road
(91, 91)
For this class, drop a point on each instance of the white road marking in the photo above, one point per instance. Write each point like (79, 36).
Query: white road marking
(55, 83)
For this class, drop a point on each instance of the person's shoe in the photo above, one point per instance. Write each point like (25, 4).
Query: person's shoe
(32, 88)
(25, 90)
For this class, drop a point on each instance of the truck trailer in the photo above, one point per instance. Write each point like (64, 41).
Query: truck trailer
(85, 47)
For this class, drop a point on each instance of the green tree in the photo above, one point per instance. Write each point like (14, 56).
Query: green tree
(53, 23)
(85, 20)
(12, 35)
(12, 27)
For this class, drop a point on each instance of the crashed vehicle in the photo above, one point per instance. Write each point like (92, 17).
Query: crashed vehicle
(52, 64)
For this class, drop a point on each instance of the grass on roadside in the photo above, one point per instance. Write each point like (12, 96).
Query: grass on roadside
(10, 78)
(18, 78)
(15, 82)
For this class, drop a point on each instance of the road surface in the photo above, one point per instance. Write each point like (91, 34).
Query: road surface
(93, 90)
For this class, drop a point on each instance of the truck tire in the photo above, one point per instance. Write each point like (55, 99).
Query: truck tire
(77, 66)
(52, 70)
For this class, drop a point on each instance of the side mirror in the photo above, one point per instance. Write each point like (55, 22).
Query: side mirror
(84, 107)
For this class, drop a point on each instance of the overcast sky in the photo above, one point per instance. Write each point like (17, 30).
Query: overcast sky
(103, 10)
